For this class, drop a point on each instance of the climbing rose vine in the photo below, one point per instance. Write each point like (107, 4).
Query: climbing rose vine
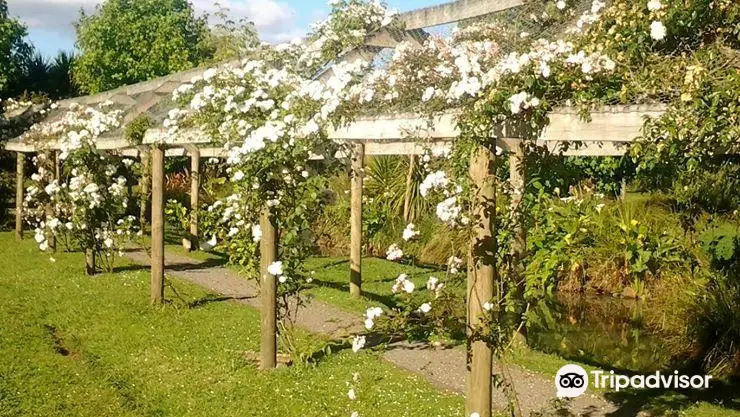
(85, 208)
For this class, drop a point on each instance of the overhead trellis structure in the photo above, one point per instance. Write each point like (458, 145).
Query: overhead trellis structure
(608, 133)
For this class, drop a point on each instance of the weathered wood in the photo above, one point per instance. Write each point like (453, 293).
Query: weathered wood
(194, 196)
(144, 184)
(517, 175)
(607, 124)
(57, 166)
(54, 155)
(283, 359)
(402, 127)
(453, 12)
(409, 189)
(355, 255)
(19, 179)
(481, 276)
(268, 291)
(90, 268)
(157, 261)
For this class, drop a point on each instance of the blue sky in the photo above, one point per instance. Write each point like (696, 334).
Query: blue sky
(50, 21)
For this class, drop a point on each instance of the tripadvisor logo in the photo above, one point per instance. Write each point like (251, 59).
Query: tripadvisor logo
(572, 381)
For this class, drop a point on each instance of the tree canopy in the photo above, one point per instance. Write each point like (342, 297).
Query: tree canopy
(14, 50)
(128, 41)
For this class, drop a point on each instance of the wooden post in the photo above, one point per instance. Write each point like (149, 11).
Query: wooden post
(517, 174)
(57, 166)
(54, 155)
(481, 276)
(90, 262)
(409, 191)
(19, 179)
(157, 162)
(194, 196)
(355, 255)
(268, 292)
(144, 187)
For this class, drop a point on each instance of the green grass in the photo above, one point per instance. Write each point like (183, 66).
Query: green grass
(77, 346)
(331, 282)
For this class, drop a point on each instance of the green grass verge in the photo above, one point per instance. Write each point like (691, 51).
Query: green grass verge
(71, 345)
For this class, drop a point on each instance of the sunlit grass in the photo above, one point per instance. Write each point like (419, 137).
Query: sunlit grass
(77, 346)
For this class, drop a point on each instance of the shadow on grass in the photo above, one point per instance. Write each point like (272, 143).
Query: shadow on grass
(175, 267)
(329, 349)
(334, 263)
(386, 300)
(660, 402)
(215, 298)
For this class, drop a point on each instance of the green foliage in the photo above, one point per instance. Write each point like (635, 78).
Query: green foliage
(551, 170)
(714, 328)
(61, 85)
(584, 242)
(177, 215)
(231, 40)
(14, 51)
(136, 129)
(386, 191)
(713, 188)
(41, 77)
(722, 243)
(36, 73)
(127, 41)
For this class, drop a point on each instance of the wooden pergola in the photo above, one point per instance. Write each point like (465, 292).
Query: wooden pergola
(609, 132)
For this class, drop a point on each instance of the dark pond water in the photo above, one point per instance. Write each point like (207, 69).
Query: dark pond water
(603, 331)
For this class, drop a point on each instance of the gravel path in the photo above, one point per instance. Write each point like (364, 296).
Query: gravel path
(443, 367)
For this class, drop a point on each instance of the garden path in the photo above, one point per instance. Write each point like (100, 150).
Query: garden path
(443, 367)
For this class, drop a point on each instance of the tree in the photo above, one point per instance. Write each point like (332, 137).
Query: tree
(13, 49)
(128, 41)
(60, 76)
(231, 40)
(36, 74)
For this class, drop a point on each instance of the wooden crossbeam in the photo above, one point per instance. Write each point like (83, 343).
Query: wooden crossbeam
(453, 12)
(607, 134)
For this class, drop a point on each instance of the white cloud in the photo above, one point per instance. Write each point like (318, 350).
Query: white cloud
(275, 20)
(50, 15)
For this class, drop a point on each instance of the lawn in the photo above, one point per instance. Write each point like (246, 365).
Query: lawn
(77, 346)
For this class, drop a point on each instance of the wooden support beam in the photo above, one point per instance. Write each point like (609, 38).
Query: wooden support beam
(453, 12)
(409, 191)
(157, 259)
(355, 255)
(57, 166)
(268, 291)
(54, 156)
(481, 276)
(90, 268)
(19, 180)
(194, 196)
(517, 175)
(144, 187)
